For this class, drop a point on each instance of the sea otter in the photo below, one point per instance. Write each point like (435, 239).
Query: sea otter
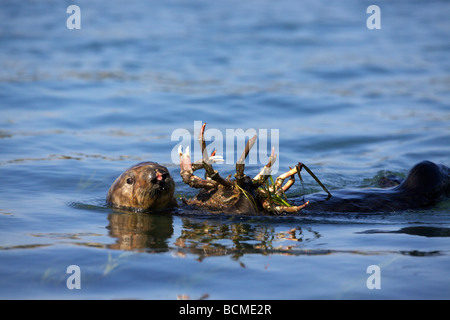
(426, 184)
(148, 186)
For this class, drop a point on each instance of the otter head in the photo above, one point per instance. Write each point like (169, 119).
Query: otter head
(146, 186)
(429, 180)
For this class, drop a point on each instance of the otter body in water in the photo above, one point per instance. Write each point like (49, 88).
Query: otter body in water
(146, 186)
(426, 184)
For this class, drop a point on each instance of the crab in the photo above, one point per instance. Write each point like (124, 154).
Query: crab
(243, 195)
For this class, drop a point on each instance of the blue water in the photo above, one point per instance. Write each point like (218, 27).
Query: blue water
(78, 107)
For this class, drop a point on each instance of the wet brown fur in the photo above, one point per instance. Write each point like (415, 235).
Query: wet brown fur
(147, 192)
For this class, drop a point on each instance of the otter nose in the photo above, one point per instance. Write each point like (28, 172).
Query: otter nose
(160, 175)
(155, 176)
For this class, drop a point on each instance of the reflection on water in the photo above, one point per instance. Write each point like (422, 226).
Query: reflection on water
(140, 231)
(207, 237)
(204, 238)
(423, 231)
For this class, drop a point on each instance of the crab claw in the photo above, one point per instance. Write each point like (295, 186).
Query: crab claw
(185, 158)
(213, 158)
(216, 159)
(186, 154)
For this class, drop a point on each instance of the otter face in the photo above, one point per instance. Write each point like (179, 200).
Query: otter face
(144, 187)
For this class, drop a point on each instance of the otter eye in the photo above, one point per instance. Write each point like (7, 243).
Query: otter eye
(130, 180)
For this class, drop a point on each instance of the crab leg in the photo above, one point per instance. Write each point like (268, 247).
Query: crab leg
(205, 161)
(262, 176)
(302, 165)
(210, 172)
(280, 209)
(287, 185)
(213, 158)
(279, 188)
(201, 140)
(279, 181)
(270, 206)
(187, 172)
(240, 165)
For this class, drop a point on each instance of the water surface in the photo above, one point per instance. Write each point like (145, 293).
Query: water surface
(78, 107)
